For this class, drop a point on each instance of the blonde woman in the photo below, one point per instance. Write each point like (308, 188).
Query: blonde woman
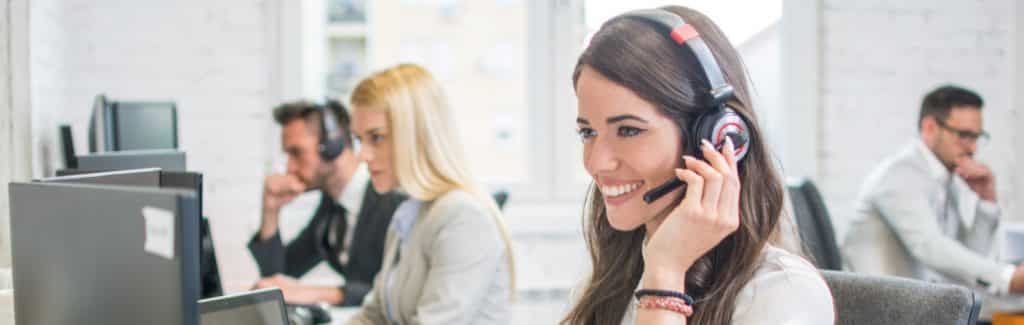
(447, 257)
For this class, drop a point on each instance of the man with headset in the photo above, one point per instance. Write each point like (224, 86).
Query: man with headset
(347, 230)
(930, 211)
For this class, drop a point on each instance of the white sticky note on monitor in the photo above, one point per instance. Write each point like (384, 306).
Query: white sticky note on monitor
(159, 232)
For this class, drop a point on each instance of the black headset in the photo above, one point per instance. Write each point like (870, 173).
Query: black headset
(332, 137)
(719, 121)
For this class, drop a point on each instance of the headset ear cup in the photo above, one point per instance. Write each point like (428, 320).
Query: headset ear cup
(331, 142)
(704, 129)
(732, 125)
(331, 149)
(721, 123)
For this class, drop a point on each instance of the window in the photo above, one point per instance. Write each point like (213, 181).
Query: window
(739, 19)
(506, 67)
(476, 49)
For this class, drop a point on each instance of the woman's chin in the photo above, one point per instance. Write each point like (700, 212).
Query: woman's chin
(382, 187)
(623, 223)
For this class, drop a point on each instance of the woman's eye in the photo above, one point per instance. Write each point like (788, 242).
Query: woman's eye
(375, 138)
(628, 131)
(586, 133)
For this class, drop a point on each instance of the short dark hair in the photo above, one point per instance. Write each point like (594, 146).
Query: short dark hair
(310, 112)
(939, 102)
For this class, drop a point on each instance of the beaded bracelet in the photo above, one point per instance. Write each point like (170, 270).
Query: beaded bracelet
(672, 304)
(664, 293)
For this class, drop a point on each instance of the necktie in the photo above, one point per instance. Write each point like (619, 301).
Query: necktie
(336, 230)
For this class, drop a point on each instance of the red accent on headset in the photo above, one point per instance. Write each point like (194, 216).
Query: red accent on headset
(684, 33)
(720, 136)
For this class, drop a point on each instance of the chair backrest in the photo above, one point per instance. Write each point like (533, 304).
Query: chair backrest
(868, 299)
(815, 224)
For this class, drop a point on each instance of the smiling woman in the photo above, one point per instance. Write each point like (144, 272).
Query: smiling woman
(696, 255)
(619, 123)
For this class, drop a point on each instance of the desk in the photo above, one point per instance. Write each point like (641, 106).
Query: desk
(341, 315)
(6, 306)
(1007, 319)
(531, 309)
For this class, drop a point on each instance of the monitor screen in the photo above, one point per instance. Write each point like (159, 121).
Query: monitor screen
(142, 126)
(264, 307)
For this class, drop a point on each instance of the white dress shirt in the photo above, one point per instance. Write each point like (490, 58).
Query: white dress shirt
(351, 199)
(916, 219)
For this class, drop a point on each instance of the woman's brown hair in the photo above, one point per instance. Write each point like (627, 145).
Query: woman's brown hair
(640, 56)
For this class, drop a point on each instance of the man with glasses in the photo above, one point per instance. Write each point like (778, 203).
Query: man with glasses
(930, 212)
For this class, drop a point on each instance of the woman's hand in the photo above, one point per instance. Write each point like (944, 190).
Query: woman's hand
(708, 213)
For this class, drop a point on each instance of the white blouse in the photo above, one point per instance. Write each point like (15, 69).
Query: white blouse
(785, 290)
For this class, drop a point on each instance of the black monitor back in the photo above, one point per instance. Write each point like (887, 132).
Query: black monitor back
(67, 144)
(148, 177)
(169, 160)
(144, 125)
(155, 178)
(132, 125)
(80, 256)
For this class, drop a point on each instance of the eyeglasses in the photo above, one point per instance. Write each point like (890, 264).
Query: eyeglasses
(979, 138)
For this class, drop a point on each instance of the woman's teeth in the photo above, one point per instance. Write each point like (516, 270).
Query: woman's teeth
(617, 190)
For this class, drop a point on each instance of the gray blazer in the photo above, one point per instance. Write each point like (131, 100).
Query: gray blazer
(898, 230)
(451, 269)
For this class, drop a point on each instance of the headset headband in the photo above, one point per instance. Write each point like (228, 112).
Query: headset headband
(684, 34)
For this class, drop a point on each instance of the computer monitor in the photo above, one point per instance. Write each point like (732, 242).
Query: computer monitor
(168, 160)
(102, 254)
(124, 125)
(67, 144)
(261, 307)
(209, 275)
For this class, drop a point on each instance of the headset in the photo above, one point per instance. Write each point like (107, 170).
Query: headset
(719, 121)
(332, 139)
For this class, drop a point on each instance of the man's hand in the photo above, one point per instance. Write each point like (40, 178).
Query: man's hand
(278, 190)
(978, 176)
(297, 293)
(1017, 281)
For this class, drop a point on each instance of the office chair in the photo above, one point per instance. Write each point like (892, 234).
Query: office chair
(814, 224)
(867, 299)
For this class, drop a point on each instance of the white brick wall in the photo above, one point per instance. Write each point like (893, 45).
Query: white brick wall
(6, 135)
(15, 152)
(213, 58)
(881, 57)
(48, 46)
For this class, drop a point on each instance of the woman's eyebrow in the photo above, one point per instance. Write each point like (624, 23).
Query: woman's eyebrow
(620, 118)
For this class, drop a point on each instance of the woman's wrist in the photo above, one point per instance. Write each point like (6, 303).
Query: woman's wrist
(664, 278)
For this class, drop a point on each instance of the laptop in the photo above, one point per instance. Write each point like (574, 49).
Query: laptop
(259, 307)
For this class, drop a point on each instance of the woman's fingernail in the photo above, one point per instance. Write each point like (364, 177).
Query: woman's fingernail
(707, 144)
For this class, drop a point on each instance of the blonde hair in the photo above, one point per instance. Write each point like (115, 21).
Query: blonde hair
(428, 157)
